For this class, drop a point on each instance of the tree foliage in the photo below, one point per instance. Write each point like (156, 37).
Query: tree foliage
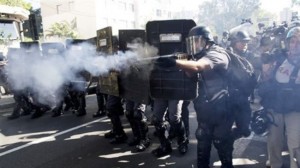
(296, 2)
(18, 3)
(63, 29)
(223, 15)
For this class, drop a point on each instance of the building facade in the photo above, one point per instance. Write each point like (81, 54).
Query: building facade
(91, 15)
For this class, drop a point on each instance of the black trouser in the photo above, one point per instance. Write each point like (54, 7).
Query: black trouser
(219, 135)
(60, 97)
(214, 127)
(22, 101)
(77, 95)
(114, 109)
(240, 106)
(101, 99)
(185, 116)
(135, 113)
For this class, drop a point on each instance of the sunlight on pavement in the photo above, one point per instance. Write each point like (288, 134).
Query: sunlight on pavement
(164, 157)
(123, 161)
(116, 155)
(141, 164)
(106, 121)
(78, 136)
(8, 140)
(239, 162)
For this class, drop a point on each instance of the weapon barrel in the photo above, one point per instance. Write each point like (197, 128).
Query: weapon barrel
(176, 56)
(155, 57)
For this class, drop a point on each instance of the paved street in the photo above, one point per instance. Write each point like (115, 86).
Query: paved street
(77, 142)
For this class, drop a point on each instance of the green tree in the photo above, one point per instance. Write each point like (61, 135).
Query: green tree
(63, 29)
(223, 15)
(19, 3)
(296, 2)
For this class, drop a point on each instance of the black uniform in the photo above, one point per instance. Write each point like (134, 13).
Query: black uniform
(213, 115)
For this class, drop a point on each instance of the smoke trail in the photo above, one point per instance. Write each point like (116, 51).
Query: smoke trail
(46, 75)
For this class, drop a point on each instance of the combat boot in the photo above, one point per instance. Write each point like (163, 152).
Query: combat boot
(143, 145)
(182, 140)
(39, 111)
(57, 111)
(37, 114)
(16, 113)
(80, 112)
(144, 140)
(183, 146)
(119, 138)
(165, 144)
(109, 134)
(135, 131)
(134, 141)
(163, 150)
(99, 113)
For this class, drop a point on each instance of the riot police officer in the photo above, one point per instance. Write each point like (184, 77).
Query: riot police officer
(213, 116)
(240, 102)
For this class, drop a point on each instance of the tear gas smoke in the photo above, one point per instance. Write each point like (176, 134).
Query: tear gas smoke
(248, 27)
(45, 76)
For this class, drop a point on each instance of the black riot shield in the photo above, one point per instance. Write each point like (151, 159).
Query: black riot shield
(134, 82)
(107, 44)
(52, 49)
(30, 48)
(78, 47)
(169, 36)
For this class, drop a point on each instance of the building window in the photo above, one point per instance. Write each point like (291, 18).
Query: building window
(131, 7)
(71, 5)
(58, 9)
(158, 12)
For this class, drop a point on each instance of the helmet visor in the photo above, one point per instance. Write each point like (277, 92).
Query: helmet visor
(195, 44)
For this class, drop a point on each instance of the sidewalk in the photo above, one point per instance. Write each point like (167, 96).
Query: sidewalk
(7, 101)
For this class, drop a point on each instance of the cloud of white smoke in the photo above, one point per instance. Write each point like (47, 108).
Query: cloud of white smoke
(45, 76)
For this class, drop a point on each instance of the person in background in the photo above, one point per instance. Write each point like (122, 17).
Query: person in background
(280, 93)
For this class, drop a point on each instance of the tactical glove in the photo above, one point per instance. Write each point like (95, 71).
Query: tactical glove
(166, 62)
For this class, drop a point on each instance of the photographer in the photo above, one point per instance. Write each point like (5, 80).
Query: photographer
(280, 80)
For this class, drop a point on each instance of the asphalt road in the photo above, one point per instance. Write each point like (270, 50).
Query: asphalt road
(69, 141)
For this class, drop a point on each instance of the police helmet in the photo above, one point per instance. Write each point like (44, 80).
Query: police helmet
(239, 36)
(260, 122)
(294, 32)
(198, 38)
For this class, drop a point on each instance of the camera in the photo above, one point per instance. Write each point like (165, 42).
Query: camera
(260, 122)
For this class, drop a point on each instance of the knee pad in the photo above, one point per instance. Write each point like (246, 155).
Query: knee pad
(223, 144)
(139, 115)
(200, 134)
